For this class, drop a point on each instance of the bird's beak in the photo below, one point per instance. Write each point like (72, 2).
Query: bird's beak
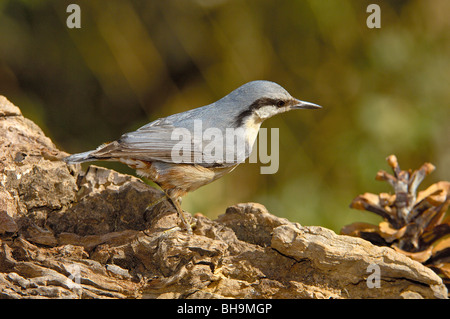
(305, 105)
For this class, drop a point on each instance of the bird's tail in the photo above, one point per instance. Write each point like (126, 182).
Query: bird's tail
(79, 158)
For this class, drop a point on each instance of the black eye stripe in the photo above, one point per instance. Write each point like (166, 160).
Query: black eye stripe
(268, 101)
(259, 103)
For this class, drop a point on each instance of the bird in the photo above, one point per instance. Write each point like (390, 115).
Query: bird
(153, 150)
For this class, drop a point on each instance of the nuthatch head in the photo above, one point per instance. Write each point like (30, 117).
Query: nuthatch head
(150, 149)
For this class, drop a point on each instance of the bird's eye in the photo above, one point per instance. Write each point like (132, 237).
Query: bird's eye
(280, 103)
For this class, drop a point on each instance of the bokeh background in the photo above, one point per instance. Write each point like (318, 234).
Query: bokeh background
(384, 91)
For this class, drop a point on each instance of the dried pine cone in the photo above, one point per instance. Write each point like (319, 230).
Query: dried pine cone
(414, 223)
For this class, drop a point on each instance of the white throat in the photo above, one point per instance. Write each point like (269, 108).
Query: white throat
(251, 127)
(266, 112)
(253, 122)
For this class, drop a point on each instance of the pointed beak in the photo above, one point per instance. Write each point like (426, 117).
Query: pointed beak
(305, 105)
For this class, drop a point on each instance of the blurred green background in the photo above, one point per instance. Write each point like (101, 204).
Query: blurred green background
(384, 91)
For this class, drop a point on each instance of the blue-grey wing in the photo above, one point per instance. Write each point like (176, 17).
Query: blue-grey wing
(162, 141)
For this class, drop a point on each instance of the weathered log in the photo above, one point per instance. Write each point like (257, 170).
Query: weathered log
(69, 233)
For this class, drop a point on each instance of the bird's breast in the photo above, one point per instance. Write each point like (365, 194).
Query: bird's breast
(251, 126)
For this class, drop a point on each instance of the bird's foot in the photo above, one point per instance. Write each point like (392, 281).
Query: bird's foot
(187, 226)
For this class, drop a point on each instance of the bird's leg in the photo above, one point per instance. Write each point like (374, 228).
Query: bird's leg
(156, 202)
(177, 205)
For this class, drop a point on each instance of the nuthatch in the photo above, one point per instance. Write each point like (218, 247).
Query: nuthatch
(150, 149)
